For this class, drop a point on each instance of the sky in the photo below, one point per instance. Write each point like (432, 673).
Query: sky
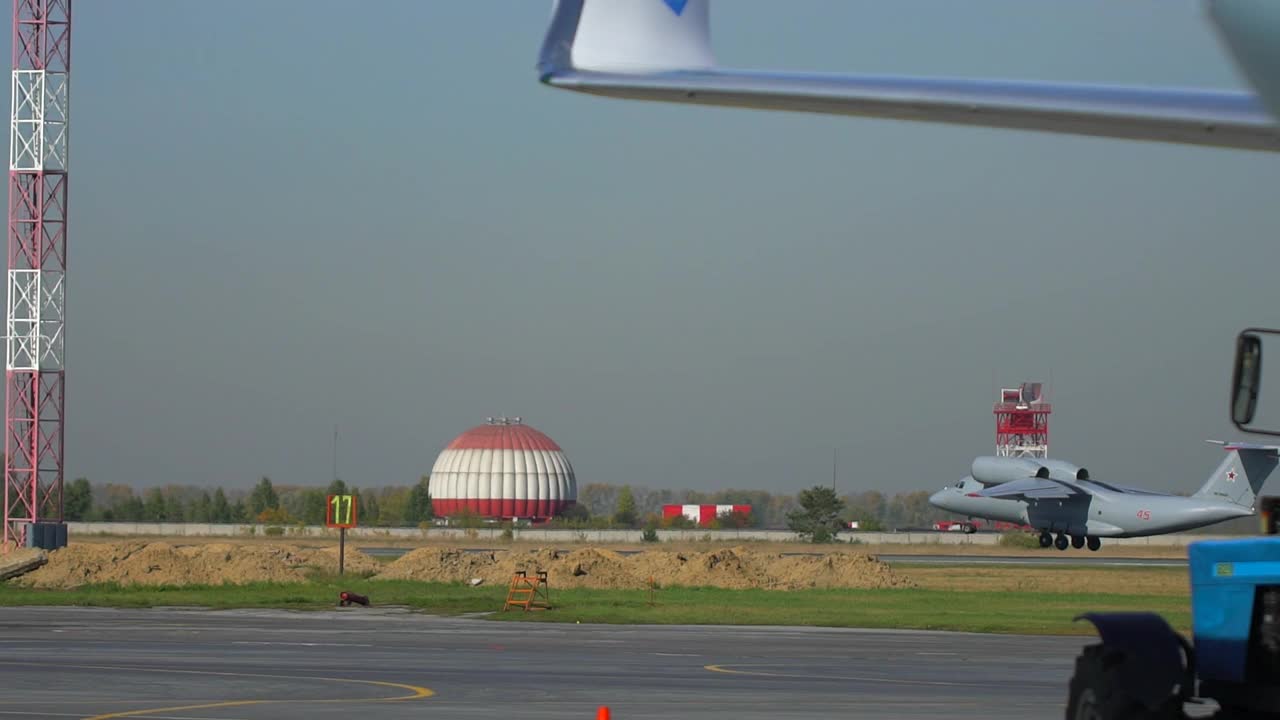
(288, 216)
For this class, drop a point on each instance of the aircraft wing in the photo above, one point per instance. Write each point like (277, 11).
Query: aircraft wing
(1031, 489)
(1126, 490)
(1247, 446)
(660, 50)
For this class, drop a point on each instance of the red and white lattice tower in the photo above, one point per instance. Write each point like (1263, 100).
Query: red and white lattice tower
(34, 370)
(1022, 422)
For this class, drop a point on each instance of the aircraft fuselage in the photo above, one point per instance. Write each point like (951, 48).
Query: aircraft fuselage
(1122, 515)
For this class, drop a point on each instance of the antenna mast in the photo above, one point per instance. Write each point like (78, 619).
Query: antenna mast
(34, 364)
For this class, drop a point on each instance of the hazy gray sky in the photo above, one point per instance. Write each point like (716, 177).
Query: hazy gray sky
(288, 214)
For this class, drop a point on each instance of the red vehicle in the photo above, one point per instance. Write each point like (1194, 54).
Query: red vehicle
(973, 526)
(1001, 526)
(965, 526)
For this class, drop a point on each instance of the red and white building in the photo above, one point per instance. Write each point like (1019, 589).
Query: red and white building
(503, 469)
(703, 514)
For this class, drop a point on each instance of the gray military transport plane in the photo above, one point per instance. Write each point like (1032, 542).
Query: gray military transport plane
(1057, 497)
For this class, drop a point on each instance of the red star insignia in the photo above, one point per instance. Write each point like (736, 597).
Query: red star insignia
(1231, 474)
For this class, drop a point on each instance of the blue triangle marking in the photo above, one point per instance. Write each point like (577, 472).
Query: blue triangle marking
(677, 6)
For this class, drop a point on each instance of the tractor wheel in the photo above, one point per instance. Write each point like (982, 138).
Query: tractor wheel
(1095, 694)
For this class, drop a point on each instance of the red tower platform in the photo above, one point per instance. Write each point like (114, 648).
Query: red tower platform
(1022, 422)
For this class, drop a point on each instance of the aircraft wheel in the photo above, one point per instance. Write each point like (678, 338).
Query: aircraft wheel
(1094, 543)
(1061, 542)
(1077, 541)
(1045, 539)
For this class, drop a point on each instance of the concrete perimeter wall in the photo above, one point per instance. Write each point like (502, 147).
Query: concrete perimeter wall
(368, 534)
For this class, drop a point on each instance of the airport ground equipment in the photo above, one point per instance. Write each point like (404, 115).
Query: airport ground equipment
(1142, 668)
(346, 598)
(530, 593)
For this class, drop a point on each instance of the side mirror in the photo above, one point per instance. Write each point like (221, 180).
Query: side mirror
(1246, 382)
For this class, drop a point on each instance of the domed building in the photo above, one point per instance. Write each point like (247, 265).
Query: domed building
(503, 469)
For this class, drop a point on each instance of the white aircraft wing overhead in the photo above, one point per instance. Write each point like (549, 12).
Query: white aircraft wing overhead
(660, 50)
(1031, 489)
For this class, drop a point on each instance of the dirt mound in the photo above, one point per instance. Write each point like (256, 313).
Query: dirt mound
(440, 565)
(143, 563)
(581, 568)
(744, 568)
(588, 567)
(354, 562)
(727, 568)
(839, 570)
(594, 568)
(139, 563)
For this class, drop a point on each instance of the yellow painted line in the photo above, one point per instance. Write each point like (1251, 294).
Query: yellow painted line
(415, 692)
(895, 681)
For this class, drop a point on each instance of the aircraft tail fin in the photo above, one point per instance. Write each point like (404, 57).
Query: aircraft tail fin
(1241, 474)
(621, 36)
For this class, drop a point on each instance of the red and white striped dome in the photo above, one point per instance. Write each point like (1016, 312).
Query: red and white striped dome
(503, 468)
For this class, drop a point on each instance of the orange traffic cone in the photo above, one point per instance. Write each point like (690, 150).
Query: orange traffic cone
(602, 713)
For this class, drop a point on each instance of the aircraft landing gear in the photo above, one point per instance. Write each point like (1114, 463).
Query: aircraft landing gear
(1061, 542)
(1077, 541)
(1094, 543)
(1045, 539)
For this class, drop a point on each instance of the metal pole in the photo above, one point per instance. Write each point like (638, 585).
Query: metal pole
(342, 549)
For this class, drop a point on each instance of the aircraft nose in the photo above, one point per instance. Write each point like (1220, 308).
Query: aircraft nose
(939, 499)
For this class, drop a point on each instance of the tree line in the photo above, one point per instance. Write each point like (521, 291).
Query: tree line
(599, 505)
(816, 513)
(872, 509)
(264, 503)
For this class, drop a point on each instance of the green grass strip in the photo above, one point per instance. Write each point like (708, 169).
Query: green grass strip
(989, 612)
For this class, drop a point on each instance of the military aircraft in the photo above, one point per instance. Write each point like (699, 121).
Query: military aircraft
(1057, 497)
(661, 50)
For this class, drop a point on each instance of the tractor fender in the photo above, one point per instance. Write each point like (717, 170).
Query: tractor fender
(1155, 658)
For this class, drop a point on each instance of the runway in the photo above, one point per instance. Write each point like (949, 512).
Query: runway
(1061, 558)
(172, 664)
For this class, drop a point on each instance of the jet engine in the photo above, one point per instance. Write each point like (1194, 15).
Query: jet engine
(990, 470)
(1064, 470)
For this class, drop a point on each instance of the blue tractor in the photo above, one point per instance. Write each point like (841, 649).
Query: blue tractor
(1142, 669)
